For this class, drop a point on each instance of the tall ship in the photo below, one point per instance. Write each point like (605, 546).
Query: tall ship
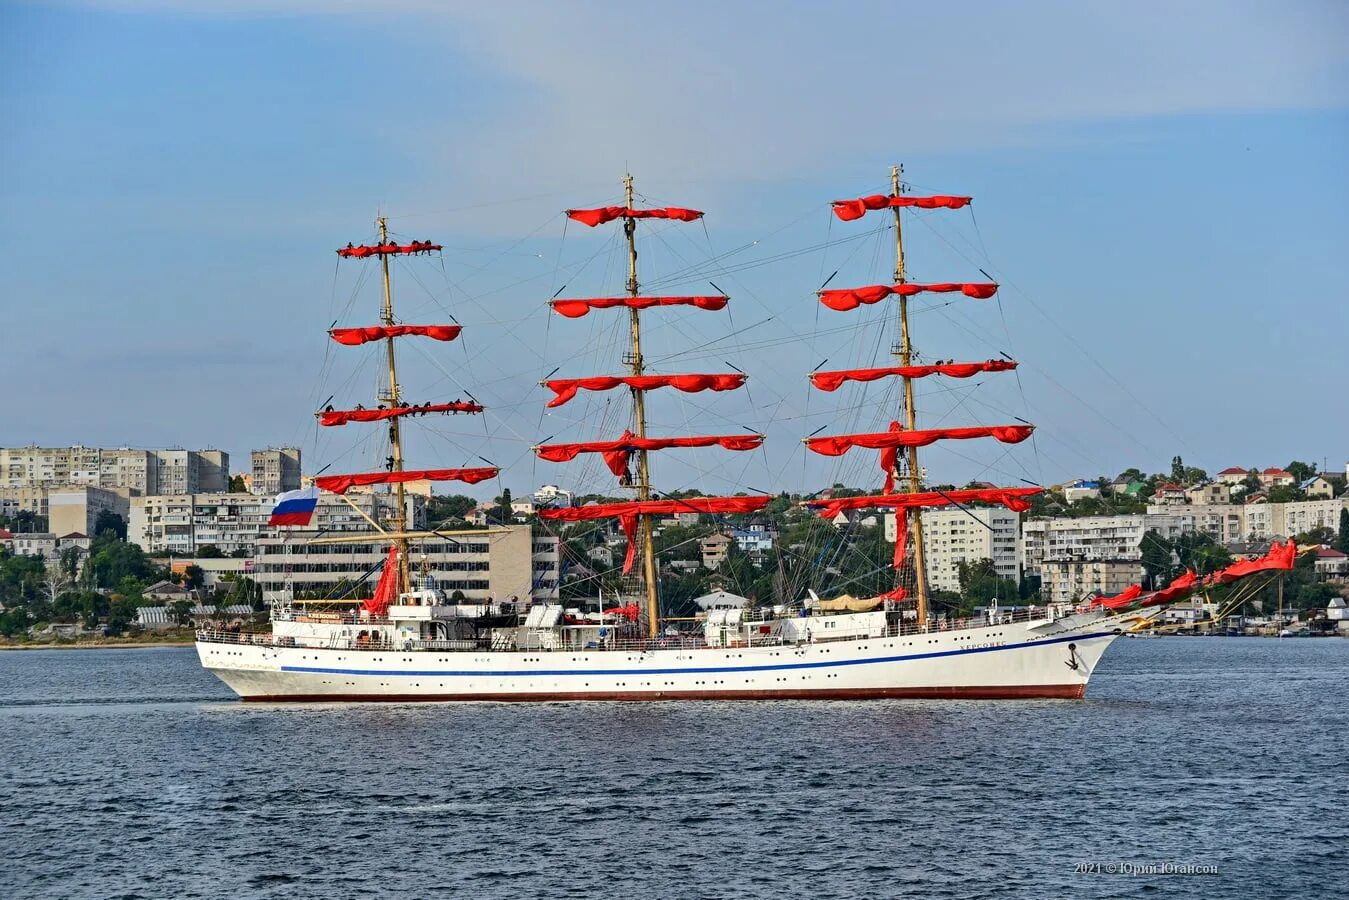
(413, 641)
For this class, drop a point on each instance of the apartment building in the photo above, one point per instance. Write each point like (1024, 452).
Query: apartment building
(184, 523)
(497, 564)
(143, 472)
(955, 536)
(1095, 537)
(274, 470)
(1069, 580)
(1232, 523)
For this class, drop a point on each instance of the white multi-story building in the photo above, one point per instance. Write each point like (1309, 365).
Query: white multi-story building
(183, 524)
(1231, 523)
(274, 470)
(498, 564)
(135, 471)
(552, 495)
(1095, 537)
(955, 536)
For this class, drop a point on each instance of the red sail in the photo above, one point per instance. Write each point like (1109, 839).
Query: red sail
(837, 445)
(1015, 499)
(574, 309)
(389, 249)
(851, 298)
(1181, 587)
(1121, 600)
(354, 337)
(566, 388)
(831, 381)
(847, 210)
(1279, 558)
(616, 453)
(593, 217)
(331, 417)
(386, 590)
(340, 484)
(627, 513)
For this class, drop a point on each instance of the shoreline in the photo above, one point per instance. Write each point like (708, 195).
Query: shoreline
(99, 645)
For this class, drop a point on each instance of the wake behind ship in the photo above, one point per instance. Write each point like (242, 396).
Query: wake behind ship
(411, 641)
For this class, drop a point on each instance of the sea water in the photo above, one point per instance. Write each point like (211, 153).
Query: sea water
(1195, 767)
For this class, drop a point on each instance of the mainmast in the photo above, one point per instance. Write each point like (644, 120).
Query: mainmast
(395, 429)
(910, 409)
(652, 607)
(635, 516)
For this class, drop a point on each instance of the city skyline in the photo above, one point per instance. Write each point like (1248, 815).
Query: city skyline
(1150, 226)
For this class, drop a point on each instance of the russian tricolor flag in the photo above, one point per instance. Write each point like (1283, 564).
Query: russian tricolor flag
(295, 507)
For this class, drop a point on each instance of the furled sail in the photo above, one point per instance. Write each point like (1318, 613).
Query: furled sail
(354, 337)
(1120, 600)
(628, 513)
(386, 589)
(837, 445)
(1016, 499)
(340, 484)
(845, 299)
(847, 210)
(1279, 558)
(330, 417)
(1178, 588)
(831, 381)
(390, 249)
(574, 309)
(617, 453)
(593, 217)
(566, 388)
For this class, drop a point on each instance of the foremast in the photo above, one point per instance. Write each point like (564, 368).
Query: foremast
(906, 436)
(915, 515)
(652, 605)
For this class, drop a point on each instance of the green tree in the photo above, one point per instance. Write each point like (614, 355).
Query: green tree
(1200, 552)
(1342, 542)
(108, 520)
(1285, 493)
(194, 578)
(1156, 551)
(450, 506)
(70, 561)
(14, 622)
(1322, 534)
(210, 551)
(237, 485)
(1300, 471)
(980, 584)
(181, 611)
(503, 514)
(115, 560)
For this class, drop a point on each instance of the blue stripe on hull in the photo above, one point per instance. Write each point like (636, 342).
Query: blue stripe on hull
(430, 673)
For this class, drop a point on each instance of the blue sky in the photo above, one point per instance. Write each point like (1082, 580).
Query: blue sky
(1161, 192)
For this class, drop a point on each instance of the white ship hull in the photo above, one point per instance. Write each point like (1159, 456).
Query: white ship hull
(1037, 659)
